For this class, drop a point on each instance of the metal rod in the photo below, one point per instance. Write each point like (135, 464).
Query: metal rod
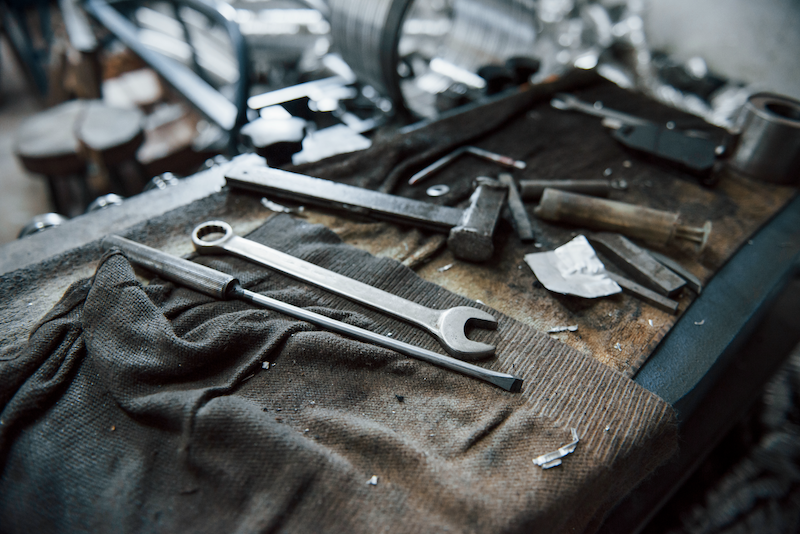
(500, 159)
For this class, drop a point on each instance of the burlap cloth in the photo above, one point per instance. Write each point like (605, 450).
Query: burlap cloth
(153, 408)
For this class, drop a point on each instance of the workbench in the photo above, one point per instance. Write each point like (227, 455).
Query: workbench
(687, 360)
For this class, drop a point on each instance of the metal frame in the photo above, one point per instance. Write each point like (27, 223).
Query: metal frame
(228, 115)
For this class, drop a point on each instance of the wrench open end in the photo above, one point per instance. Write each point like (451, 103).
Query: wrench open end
(453, 332)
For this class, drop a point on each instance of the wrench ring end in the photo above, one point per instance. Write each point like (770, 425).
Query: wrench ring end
(207, 228)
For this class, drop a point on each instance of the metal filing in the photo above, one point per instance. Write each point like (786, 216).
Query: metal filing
(224, 286)
(448, 326)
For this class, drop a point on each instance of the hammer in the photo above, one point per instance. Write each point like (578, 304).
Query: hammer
(470, 230)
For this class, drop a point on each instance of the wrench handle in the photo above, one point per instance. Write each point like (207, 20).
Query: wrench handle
(198, 277)
(304, 271)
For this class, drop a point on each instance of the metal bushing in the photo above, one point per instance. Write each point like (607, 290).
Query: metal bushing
(768, 147)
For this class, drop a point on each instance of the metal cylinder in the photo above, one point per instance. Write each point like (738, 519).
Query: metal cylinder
(366, 33)
(412, 50)
(768, 147)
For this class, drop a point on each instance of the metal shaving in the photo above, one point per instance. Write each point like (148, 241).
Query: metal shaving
(553, 459)
(278, 208)
(557, 329)
(445, 268)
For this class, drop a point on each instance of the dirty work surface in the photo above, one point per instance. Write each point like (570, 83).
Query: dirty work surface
(619, 331)
(158, 409)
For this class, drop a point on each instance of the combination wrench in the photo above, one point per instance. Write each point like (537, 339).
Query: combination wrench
(448, 326)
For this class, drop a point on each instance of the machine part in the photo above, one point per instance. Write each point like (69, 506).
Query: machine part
(412, 50)
(41, 223)
(553, 459)
(279, 208)
(637, 263)
(692, 281)
(471, 230)
(644, 294)
(275, 140)
(567, 101)
(656, 226)
(448, 326)
(523, 68)
(105, 201)
(768, 147)
(533, 189)
(497, 78)
(505, 161)
(691, 154)
(566, 328)
(520, 217)
(437, 190)
(224, 286)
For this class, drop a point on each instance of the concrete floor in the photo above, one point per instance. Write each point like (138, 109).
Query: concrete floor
(23, 195)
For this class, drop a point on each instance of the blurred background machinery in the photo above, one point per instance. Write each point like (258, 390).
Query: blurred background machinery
(299, 80)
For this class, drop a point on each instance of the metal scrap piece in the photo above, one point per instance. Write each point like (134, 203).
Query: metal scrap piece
(692, 281)
(637, 263)
(553, 459)
(572, 269)
(280, 208)
(520, 217)
(644, 294)
(568, 328)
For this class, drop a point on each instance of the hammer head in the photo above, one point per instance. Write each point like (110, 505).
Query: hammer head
(472, 238)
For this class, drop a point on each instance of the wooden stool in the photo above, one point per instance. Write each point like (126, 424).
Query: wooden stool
(60, 141)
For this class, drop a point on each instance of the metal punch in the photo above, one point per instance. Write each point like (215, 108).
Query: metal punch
(448, 326)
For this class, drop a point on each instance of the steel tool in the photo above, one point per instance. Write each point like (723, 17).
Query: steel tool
(521, 222)
(448, 326)
(470, 230)
(637, 263)
(768, 144)
(644, 294)
(505, 161)
(224, 286)
(692, 282)
(690, 153)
